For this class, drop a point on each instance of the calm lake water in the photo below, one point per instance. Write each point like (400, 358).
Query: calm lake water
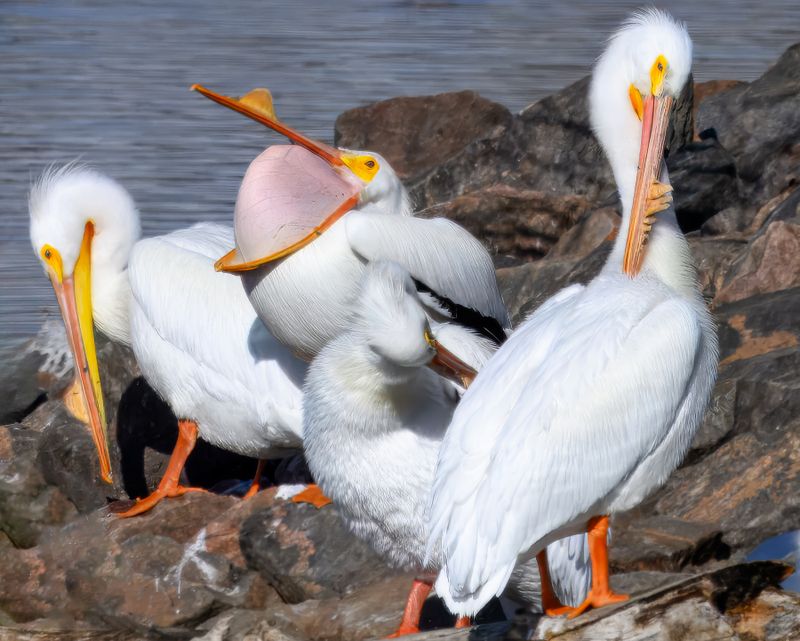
(107, 82)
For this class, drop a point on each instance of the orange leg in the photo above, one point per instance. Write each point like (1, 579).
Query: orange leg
(551, 605)
(312, 494)
(463, 622)
(416, 598)
(600, 594)
(169, 485)
(255, 486)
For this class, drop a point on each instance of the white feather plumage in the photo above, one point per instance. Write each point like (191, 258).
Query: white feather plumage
(594, 400)
(374, 418)
(198, 341)
(306, 299)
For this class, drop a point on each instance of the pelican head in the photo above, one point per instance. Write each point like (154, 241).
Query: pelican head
(291, 195)
(642, 71)
(390, 319)
(69, 210)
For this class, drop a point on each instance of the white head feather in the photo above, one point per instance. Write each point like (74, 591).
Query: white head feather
(384, 192)
(627, 61)
(61, 202)
(390, 319)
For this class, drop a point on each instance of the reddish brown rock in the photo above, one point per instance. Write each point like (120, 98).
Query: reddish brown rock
(418, 134)
(163, 569)
(516, 224)
(713, 258)
(770, 263)
(306, 553)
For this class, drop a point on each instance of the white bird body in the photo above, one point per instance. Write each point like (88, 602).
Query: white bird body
(307, 298)
(197, 339)
(201, 346)
(374, 423)
(310, 217)
(594, 400)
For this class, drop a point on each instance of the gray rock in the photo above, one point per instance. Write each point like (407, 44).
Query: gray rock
(759, 124)
(306, 553)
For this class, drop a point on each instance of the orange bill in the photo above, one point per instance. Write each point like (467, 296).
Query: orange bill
(74, 299)
(655, 123)
(257, 106)
(450, 366)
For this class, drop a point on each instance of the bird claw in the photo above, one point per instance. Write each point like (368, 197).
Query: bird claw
(559, 611)
(313, 495)
(597, 600)
(659, 198)
(149, 502)
(403, 630)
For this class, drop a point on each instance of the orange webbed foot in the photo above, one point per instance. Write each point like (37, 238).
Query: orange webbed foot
(597, 599)
(403, 630)
(313, 495)
(149, 502)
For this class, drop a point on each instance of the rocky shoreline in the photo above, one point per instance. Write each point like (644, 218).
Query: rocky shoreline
(535, 188)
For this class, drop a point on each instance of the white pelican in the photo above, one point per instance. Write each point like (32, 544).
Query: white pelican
(309, 217)
(373, 418)
(594, 400)
(194, 333)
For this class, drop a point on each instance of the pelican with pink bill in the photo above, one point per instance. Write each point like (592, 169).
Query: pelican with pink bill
(309, 217)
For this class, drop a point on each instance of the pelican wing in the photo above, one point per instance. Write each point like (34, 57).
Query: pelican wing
(203, 320)
(444, 259)
(566, 410)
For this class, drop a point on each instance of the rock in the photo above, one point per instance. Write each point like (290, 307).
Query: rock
(307, 553)
(771, 261)
(709, 89)
(418, 134)
(664, 544)
(745, 475)
(737, 602)
(759, 124)
(567, 272)
(174, 566)
(591, 231)
(27, 504)
(238, 625)
(516, 224)
(579, 254)
(39, 369)
(371, 612)
(549, 147)
(704, 176)
(713, 258)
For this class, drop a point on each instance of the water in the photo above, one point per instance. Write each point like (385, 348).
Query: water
(108, 82)
(782, 547)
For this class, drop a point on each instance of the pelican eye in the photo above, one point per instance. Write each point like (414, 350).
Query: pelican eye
(657, 74)
(52, 261)
(429, 338)
(362, 165)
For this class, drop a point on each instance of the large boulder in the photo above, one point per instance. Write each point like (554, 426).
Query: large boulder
(759, 124)
(417, 134)
(306, 553)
